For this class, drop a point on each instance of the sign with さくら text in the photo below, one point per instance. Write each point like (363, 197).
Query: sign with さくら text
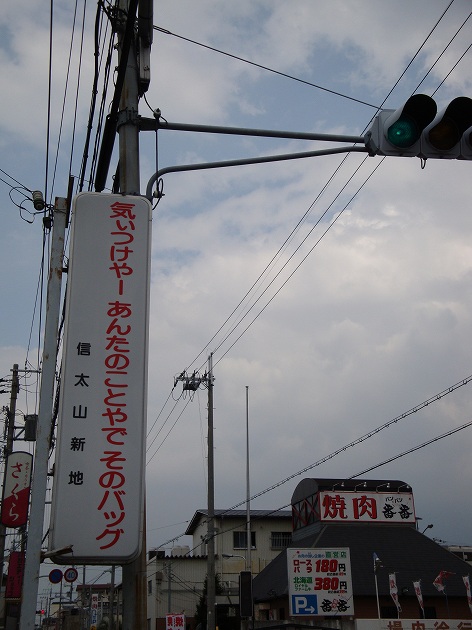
(98, 487)
(319, 582)
(16, 489)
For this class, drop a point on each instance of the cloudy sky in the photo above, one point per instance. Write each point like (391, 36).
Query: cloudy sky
(337, 289)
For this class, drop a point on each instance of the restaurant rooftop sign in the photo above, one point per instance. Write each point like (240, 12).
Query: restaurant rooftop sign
(371, 507)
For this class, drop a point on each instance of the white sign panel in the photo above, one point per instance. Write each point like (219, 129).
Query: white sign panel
(319, 582)
(361, 507)
(98, 481)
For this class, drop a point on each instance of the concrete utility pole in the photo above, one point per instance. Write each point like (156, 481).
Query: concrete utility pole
(134, 573)
(211, 591)
(46, 397)
(192, 383)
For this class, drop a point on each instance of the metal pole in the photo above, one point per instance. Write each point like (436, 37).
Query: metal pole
(245, 623)
(211, 591)
(169, 588)
(248, 489)
(377, 594)
(46, 397)
(111, 599)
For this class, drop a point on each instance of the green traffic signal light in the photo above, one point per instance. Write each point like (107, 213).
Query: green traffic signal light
(408, 122)
(403, 133)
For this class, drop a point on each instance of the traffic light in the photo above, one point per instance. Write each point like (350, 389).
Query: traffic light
(415, 130)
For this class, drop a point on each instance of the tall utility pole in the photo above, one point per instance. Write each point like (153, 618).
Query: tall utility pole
(192, 383)
(134, 573)
(211, 591)
(43, 432)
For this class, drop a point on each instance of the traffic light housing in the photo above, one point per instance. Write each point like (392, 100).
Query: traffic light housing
(416, 130)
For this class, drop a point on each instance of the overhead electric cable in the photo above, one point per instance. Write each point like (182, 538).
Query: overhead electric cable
(64, 99)
(258, 65)
(415, 448)
(48, 124)
(366, 436)
(441, 55)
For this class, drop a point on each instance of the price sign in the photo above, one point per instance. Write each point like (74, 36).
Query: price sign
(320, 582)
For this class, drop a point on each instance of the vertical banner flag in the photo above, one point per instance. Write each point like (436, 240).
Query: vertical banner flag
(419, 595)
(98, 491)
(438, 582)
(467, 586)
(16, 569)
(394, 591)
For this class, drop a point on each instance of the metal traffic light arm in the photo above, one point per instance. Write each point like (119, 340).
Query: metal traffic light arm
(150, 124)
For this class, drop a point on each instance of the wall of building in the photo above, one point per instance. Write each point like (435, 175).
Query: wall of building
(175, 583)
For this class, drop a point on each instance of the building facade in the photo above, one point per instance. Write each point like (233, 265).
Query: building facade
(175, 582)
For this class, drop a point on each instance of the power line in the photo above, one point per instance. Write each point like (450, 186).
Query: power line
(415, 448)
(258, 65)
(426, 403)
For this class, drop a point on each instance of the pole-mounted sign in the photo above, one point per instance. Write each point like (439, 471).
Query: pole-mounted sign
(98, 487)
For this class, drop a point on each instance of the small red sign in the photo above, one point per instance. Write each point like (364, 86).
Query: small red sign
(16, 567)
(16, 489)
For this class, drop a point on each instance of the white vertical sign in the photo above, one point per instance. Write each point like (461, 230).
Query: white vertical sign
(98, 480)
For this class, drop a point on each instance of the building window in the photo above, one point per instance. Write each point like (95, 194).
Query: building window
(149, 587)
(280, 540)
(240, 540)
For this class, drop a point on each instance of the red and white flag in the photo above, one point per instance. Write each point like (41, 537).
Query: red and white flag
(394, 591)
(419, 594)
(467, 586)
(438, 582)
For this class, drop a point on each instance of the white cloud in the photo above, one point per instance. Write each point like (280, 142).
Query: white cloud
(375, 320)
